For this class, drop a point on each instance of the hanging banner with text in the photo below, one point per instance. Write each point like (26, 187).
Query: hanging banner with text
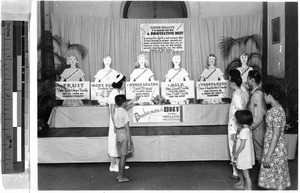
(157, 113)
(156, 37)
(178, 90)
(211, 89)
(100, 91)
(145, 90)
(72, 90)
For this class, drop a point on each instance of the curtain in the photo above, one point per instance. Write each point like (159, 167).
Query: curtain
(120, 39)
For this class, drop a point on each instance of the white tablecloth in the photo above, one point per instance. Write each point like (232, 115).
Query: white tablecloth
(95, 116)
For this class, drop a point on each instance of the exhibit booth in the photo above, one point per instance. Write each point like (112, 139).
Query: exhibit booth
(178, 116)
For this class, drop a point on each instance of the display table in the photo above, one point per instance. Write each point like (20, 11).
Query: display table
(95, 116)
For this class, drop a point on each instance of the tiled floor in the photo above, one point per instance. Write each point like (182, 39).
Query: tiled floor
(201, 175)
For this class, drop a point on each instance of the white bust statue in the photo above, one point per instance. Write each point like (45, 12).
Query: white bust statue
(211, 72)
(106, 74)
(177, 74)
(141, 73)
(244, 69)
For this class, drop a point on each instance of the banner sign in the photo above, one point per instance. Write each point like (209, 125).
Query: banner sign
(145, 90)
(72, 90)
(156, 37)
(157, 113)
(180, 90)
(211, 89)
(100, 91)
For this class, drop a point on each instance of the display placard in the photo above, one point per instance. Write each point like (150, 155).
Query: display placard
(100, 91)
(145, 90)
(73, 90)
(157, 37)
(178, 90)
(211, 89)
(157, 113)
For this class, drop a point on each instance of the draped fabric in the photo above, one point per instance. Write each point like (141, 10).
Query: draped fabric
(120, 38)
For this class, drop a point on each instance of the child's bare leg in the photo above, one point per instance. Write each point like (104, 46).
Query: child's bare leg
(241, 183)
(248, 182)
(121, 177)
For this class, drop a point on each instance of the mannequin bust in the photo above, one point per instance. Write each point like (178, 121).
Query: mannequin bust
(176, 74)
(211, 72)
(106, 74)
(72, 74)
(141, 73)
(244, 69)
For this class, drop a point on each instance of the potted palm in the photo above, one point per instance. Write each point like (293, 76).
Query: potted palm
(228, 43)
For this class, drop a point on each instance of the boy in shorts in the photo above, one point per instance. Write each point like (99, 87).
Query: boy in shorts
(124, 141)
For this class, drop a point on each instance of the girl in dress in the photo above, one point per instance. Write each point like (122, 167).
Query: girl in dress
(141, 73)
(274, 170)
(238, 102)
(118, 86)
(177, 74)
(243, 153)
(72, 74)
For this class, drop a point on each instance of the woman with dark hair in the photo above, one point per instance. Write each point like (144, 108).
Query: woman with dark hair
(258, 108)
(118, 86)
(274, 170)
(239, 102)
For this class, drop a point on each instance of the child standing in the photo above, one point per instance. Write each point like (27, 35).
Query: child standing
(124, 141)
(243, 153)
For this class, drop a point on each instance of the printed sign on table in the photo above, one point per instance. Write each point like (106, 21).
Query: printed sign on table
(157, 113)
(100, 91)
(145, 90)
(72, 90)
(211, 89)
(180, 90)
(157, 37)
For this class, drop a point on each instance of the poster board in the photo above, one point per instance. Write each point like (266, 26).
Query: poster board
(178, 90)
(72, 90)
(212, 89)
(145, 90)
(157, 113)
(160, 37)
(100, 91)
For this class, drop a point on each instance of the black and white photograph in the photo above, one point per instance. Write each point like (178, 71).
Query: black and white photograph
(149, 95)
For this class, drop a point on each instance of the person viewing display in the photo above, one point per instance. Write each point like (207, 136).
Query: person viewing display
(177, 74)
(243, 154)
(239, 102)
(72, 74)
(124, 140)
(106, 74)
(141, 73)
(118, 85)
(258, 108)
(274, 169)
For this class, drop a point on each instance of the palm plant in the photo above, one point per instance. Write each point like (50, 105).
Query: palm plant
(227, 43)
(46, 87)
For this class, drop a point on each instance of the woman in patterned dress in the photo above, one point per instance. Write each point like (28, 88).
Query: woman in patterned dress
(274, 171)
